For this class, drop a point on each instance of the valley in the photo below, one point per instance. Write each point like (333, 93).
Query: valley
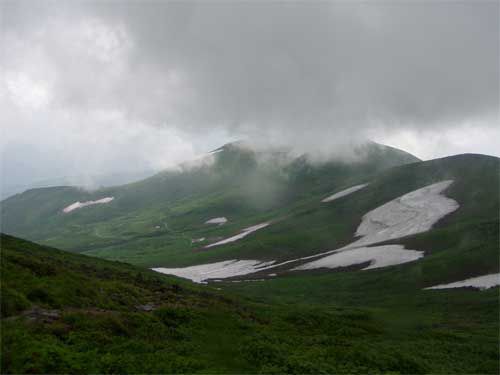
(389, 264)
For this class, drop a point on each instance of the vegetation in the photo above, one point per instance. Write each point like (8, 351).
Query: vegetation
(71, 313)
(151, 222)
(64, 313)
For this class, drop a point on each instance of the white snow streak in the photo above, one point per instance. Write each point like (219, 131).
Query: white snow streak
(343, 193)
(77, 205)
(479, 282)
(409, 214)
(218, 270)
(412, 213)
(378, 256)
(217, 220)
(245, 232)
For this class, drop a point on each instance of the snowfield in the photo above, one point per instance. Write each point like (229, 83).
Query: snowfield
(217, 220)
(245, 232)
(378, 256)
(343, 193)
(412, 213)
(77, 205)
(480, 282)
(218, 270)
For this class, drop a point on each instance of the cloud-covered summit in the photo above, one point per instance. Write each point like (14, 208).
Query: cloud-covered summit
(169, 79)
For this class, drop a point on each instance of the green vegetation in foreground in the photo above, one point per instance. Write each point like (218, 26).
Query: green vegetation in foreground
(67, 313)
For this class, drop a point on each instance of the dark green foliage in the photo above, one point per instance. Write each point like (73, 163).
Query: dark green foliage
(70, 313)
(104, 329)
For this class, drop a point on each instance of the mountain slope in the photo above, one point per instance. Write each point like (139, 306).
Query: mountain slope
(234, 181)
(309, 226)
(66, 313)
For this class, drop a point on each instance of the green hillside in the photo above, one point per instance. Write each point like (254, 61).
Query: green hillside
(152, 222)
(307, 226)
(72, 313)
(68, 313)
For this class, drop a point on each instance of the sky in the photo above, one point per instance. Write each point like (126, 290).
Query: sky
(102, 87)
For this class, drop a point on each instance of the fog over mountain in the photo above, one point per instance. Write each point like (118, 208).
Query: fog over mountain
(99, 87)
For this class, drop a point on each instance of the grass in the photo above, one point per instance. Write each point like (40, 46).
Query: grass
(349, 321)
(308, 226)
(197, 329)
(236, 186)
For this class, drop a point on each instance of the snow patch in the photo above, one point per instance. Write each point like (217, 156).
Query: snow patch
(218, 270)
(77, 205)
(245, 232)
(217, 220)
(412, 213)
(479, 282)
(343, 193)
(378, 256)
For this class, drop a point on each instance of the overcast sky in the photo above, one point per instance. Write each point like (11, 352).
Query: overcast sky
(92, 88)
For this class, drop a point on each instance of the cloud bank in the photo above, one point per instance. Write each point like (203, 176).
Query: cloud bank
(103, 86)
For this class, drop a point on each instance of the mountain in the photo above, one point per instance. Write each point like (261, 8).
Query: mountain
(234, 181)
(69, 313)
(378, 262)
(103, 180)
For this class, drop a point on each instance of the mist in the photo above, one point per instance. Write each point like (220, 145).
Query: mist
(104, 87)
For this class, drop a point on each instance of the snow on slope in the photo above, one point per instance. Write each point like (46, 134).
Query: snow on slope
(77, 205)
(218, 270)
(412, 213)
(245, 232)
(480, 282)
(217, 220)
(343, 193)
(378, 256)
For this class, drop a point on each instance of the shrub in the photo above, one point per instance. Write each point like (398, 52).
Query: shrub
(13, 302)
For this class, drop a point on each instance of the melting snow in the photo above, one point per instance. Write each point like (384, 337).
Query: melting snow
(217, 220)
(218, 270)
(480, 282)
(77, 205)
(343, 193)
(378, 256)
(245, 232)
(412, 213)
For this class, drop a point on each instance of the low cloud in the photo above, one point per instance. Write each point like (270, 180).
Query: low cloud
(105, 86)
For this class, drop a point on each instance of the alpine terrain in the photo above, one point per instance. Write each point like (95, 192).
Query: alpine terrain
(258, 260)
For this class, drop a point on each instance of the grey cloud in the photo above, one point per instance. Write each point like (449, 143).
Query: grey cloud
(308, 73)
(291, 65)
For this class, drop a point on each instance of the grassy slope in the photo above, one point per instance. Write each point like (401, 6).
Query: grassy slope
(308, 226)
(152, 221)
(463, 244)
(199, 330)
